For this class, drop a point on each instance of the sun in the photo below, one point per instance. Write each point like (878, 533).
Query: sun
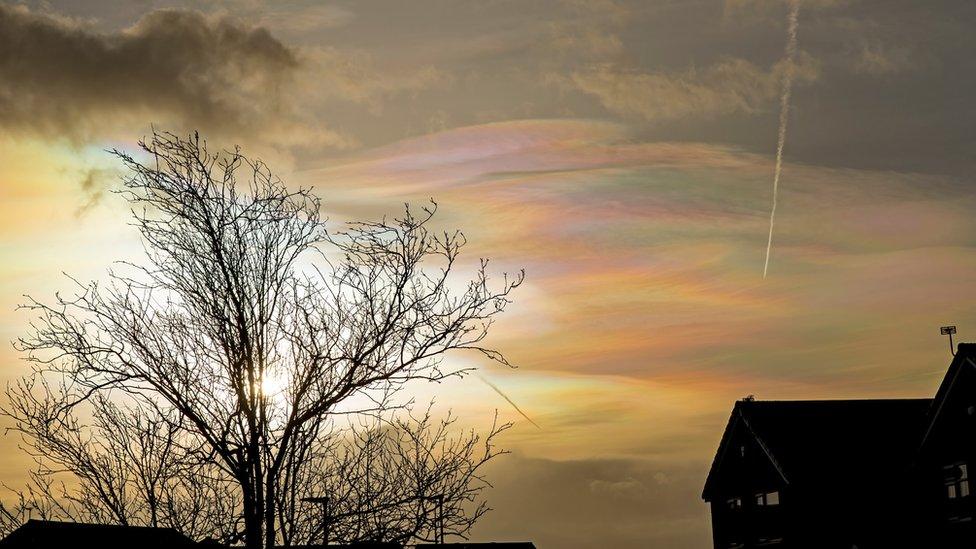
(272, 385)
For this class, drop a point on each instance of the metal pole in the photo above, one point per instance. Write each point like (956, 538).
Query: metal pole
(440, 514)
(949, 331)
(326, 518)
(326, 522)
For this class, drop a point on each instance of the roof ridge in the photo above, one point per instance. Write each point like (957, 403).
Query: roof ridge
(73, 524)
(789, 401)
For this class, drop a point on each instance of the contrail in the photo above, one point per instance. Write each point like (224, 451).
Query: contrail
(784, 116)
(517, 409)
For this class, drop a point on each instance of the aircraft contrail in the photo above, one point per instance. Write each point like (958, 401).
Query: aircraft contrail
(784, 115)
(510, 401)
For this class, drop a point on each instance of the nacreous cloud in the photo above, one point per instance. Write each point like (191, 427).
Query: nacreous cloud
(60, 78)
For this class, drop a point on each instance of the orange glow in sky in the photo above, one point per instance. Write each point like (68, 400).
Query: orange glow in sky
(620, 152)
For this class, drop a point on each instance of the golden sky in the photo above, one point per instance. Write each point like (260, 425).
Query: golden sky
(621, 152)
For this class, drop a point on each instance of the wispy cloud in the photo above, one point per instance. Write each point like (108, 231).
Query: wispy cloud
(93, 186)
(729, 86)
(641, 255)
(355, 77)
(620, 170)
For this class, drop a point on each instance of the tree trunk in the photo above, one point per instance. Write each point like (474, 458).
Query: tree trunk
(253, 519)
(269, 514)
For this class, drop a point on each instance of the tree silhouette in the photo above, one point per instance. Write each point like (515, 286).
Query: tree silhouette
(205, 388)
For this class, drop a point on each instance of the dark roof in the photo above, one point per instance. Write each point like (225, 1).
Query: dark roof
(356, 545)
(486, 545)
(826, 442)
(965, 355)
(45, 533)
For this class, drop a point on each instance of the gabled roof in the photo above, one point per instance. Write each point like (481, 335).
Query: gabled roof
(965, 358)
(826, 442)
(736, 422)
(46, 533)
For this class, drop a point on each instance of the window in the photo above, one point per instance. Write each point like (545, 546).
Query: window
(734, 503)
(766, 499)
(955, 477)
(960, 518)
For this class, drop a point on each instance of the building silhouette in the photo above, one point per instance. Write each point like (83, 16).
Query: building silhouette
(49, 534)
(479, 545)
(43, 534)
(849, 473)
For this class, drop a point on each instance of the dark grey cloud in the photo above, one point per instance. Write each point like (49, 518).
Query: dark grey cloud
(892, 90)
(60, 77)
(889, 86)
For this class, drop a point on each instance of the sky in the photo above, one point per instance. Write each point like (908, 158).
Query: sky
(621, 152)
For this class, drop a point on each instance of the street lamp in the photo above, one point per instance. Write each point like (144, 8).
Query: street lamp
(326, 520)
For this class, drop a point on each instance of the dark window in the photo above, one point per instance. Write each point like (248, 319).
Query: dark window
(955, 477)
(960, 518)
(734, 503)
(766, 499)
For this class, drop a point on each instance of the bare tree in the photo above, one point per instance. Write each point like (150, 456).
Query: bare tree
(395, 479)
(391, 477)
(245, 332)
(126, 465)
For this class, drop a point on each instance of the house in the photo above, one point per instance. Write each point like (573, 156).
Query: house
(358, 545)
(47, 534)
(849, 473)
(44, 534)
(483, 545)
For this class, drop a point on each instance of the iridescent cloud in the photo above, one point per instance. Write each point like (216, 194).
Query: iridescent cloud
(642, 256)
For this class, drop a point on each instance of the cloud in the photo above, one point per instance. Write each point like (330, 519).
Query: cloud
(304, 20)
(590, 32)
(877, 59)
(771, 11)
(578, 41)
(562, 503)
(183, 69)
(93, 185)
(627, 488)
(353, 76)
(643, 254)
(730, 86)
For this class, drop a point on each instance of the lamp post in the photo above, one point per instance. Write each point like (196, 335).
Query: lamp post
(949, 330)
(439, 499)
(326, 519)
